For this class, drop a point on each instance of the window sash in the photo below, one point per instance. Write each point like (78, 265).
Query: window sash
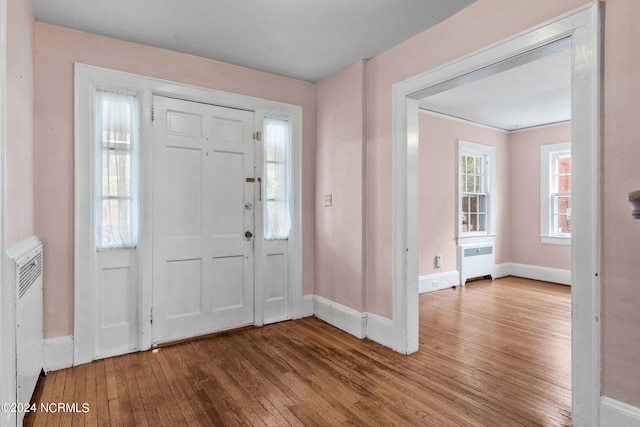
(561, 214)
(473, 209)
(559, 209)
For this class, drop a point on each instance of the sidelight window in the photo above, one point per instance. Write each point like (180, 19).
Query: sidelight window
(116, 169)
(277, 155)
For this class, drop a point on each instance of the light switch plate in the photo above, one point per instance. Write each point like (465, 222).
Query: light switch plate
(328, 200)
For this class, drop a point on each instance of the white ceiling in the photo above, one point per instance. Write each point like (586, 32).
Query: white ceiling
(537, 92)
(304, 39)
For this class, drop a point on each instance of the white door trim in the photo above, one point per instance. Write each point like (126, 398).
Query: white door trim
(87, 77)
(7, 290)
(583, 27)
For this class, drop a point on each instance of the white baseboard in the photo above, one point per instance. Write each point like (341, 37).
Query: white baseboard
(536, 272)
(380, 329)
(340, 316)
(614, 413)
(58, 353)
(358, 324)
(502, 270)
(307, 305)
(435, 282)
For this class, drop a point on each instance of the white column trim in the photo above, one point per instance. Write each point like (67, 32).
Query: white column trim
(7, 290)
(58, 353)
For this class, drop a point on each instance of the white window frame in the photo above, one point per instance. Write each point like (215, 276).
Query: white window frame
(488, 153)
(547, 153)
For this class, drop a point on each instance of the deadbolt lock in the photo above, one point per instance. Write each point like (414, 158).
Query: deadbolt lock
(248, 206)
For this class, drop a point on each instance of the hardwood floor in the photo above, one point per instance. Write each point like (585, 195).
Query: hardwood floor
(491, 354)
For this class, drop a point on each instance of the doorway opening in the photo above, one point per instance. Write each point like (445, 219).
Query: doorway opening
(581, 27)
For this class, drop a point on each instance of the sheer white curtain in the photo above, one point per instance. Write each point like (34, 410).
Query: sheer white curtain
(116, 166)
(277, 146)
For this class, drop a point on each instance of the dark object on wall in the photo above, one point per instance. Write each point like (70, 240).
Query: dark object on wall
(634, 199)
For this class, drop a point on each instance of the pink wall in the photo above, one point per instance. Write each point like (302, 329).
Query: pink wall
(525, 198)
(438, 189)
(339, 171)
(20, 132)
(484, 22)
(57, 49)
(518, 193)
(621, 234)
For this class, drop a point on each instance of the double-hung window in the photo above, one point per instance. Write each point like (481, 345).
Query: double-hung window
(116, 169)
(475, 184)
(277, 155)
(555, 194)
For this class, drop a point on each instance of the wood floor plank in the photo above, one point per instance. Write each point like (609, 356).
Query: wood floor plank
(101, 407)
(130, 366)
(121, 408)
(491, 354)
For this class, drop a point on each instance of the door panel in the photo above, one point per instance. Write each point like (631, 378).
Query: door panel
(227, 278)
(276, 285)
(116, 292)
(228, 217)
(184, 206)
(184, 286)
(202, 261)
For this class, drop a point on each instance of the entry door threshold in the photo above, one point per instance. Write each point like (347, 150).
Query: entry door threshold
(201, 337)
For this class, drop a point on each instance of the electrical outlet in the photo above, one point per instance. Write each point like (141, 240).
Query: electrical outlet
(435, 284)
(438, 261)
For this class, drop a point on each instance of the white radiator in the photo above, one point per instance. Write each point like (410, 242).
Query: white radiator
(475, 260)
(27, 257)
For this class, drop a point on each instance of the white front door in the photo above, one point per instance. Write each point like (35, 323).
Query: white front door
(203, 219)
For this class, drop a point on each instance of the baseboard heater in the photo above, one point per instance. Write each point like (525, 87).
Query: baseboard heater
(475, 260)
(27, 271)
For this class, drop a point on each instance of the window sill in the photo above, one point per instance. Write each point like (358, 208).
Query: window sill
(554, 240)
(476, 238)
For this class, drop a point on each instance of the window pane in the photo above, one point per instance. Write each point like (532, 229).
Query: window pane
(277, 146)
(116, 173)
(274, 185)
(482, 203)
(470, 187)
(562, 214)
(478, 165)
(473, 207)
(482, 222)
(473, 222)
(116, 181)
(116, 217)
